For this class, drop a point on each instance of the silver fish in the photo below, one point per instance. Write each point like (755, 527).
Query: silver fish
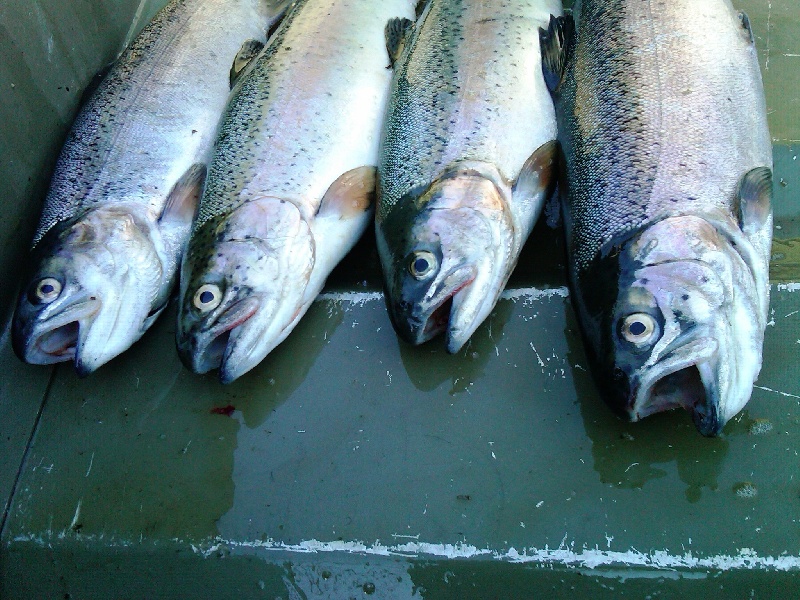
(668, 182)
(291, 184)
(466, 161)
(119, 210)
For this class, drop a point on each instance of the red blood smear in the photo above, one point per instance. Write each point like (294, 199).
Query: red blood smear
(223, 410)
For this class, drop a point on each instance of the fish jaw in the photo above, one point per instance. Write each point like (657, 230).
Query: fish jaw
(259, 258)
(704, 298)
(108, 266)
(462, 228)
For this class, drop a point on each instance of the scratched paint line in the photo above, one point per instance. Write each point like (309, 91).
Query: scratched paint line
(534, 293)
(359, 298)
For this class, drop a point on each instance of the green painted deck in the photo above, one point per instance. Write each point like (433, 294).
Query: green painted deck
(353, 465)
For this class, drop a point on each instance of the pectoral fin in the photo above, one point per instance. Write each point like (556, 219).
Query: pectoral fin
(534, 185)
(247, 53)
(182, 201)
(754, 200)
(351, 195)
(345, 212)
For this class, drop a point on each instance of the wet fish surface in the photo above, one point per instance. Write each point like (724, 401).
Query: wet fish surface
(466, 162)
(291, 185)
(119, 209)
(667, 190)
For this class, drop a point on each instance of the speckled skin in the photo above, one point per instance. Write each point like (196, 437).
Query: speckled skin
(661, 114)
(105, 235)
(468, 108)
(306, 111)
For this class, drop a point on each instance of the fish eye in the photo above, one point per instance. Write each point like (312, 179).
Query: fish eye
(207, 297)
(45, 291)
(422, 264)
(639, 329)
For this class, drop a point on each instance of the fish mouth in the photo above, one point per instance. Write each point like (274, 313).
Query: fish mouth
(437, 315)
(685, 382)
(212, 346)
(58, 339)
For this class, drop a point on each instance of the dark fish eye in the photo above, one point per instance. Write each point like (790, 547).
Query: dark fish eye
(207, 297)
(639, 329)
(45, 291)
(422, 264)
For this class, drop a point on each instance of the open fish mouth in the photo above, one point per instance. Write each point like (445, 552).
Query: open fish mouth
(440, 317)
(57, 339)
(689, 384)
(59, 343)
(684, 389)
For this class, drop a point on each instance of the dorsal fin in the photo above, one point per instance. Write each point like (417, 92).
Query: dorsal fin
(244, 56)
(557, 45)
(396, 32)
(745, 20)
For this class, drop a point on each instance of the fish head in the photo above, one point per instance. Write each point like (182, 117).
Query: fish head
(96, 287)
(686, 323)
(243, 286)
(445, 257)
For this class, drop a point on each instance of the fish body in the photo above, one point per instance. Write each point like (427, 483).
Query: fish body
(119, 209)
(291, 183)
(465, 163)
(667, 189)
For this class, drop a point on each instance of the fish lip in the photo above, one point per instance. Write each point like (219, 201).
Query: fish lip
(694, 370)
(212, 345)
(72, 319)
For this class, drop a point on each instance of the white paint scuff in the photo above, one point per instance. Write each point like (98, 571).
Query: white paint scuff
(788, 287)
(586, 558)
(527, 294)
(564, 555)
